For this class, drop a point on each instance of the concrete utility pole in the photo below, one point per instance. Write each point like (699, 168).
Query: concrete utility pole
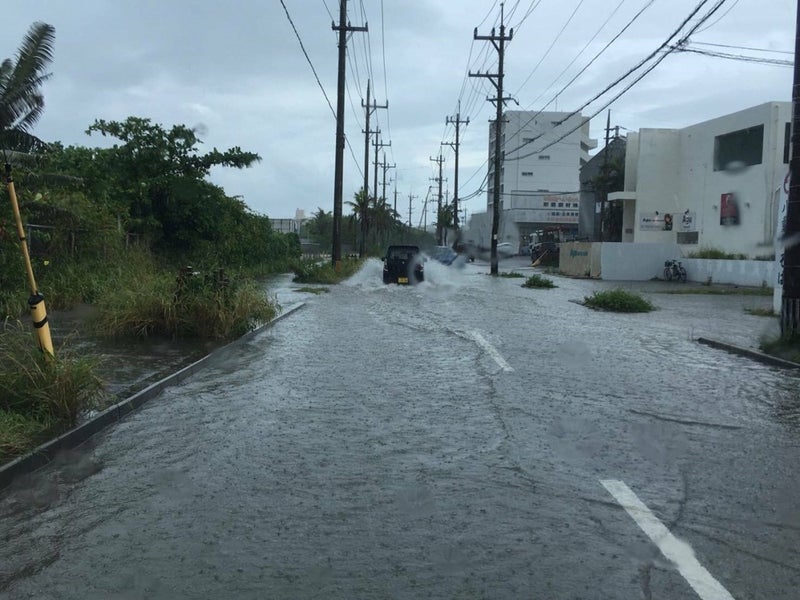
(343, 28)
(790, 303)
(439, 160)
(410, 199)
(368, 110)
(377, 144)
(395, 198)
(385, 167)
(498, 41)
(457, 122)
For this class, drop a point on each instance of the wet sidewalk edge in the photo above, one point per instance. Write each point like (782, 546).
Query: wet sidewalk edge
(42, 455)
(747, 352)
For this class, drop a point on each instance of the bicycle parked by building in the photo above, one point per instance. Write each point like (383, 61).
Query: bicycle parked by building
(673, 270)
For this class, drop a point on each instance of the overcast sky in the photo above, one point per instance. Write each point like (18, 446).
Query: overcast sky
(235, 70)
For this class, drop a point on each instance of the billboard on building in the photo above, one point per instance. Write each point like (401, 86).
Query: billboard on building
(728, 210)
(655, 221)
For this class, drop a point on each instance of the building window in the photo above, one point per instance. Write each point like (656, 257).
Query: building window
(544, 157)
(787, 143)
(527, 173)
(560, 205)
(546, 204)
(743, 146)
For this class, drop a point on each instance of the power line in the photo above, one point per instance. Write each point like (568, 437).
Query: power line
(661, 57)
(743, 48)
(740, 57)
(303, 48)
(583, 70)
(658, 51)
(552, 44)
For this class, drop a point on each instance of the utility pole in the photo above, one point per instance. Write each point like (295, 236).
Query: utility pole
(386, 166)
(499, 42)
(604, 178)
(457, 122)
(395, 197)
(377, 145)
(790, 302)
(343, 28)
(368, 110)
(439, 160)
(410, 199)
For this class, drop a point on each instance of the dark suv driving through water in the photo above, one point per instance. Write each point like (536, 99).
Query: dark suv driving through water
(403, 264)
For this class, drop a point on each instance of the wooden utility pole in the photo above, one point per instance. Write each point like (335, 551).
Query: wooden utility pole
(790, 302)
(385, 167)
(439, 160)
(343, 28)
(368, 110)
(455, 146)
(498, 41)
(377, 144)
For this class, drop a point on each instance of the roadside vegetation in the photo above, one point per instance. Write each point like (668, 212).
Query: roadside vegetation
(537, 281)
(40, 395)
(720, 291)
(512, 275)
(322, 272)
(782, 347)
(715, 253)
(618, 301)
(760, 312)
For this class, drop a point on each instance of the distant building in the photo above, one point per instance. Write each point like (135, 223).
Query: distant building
(290, 225)
(539, 182)
(715, 184)
(590, 196)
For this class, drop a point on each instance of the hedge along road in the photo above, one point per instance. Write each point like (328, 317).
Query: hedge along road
(462, 438)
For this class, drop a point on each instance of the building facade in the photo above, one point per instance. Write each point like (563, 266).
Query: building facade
(540, 176)
(715, 184)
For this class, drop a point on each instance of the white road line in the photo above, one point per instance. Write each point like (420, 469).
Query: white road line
(677, 551)
(481, 341)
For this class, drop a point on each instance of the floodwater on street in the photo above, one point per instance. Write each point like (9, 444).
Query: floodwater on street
(462, 438)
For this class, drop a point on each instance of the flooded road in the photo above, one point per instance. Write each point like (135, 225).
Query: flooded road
(464, 438)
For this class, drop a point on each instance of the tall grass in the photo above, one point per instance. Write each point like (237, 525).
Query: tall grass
(537, 281)
(40, 394)
(716, 254)
(310, 271)
(197, 306)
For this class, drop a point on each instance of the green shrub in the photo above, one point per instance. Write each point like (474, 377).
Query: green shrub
(618, 301)
(537, 281)
(512, 275)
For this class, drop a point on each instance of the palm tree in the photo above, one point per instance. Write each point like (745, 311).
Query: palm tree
(21, 99)
(361, 206)
(21, 105)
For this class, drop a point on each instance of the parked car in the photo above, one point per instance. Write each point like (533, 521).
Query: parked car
(505, 250)
(403, 264)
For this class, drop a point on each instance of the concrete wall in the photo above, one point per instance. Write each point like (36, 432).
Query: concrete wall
(635, 262)
(575, 258)
(753, 273)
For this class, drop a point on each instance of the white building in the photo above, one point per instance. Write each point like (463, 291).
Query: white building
(715, 184)
(540, 179)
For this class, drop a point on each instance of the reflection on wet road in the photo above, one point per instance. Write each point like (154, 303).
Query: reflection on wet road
(446, 440)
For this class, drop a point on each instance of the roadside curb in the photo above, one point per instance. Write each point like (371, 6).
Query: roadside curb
(42, 455)
(747, 352)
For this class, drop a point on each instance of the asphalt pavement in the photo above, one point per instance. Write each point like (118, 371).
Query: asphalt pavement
(463, 438)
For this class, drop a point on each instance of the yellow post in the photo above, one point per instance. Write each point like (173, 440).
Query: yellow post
(36, 300)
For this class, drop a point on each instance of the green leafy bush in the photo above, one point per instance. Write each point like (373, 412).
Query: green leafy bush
(537, 281)
(716, 254)
(512, 275)
(618, 301)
